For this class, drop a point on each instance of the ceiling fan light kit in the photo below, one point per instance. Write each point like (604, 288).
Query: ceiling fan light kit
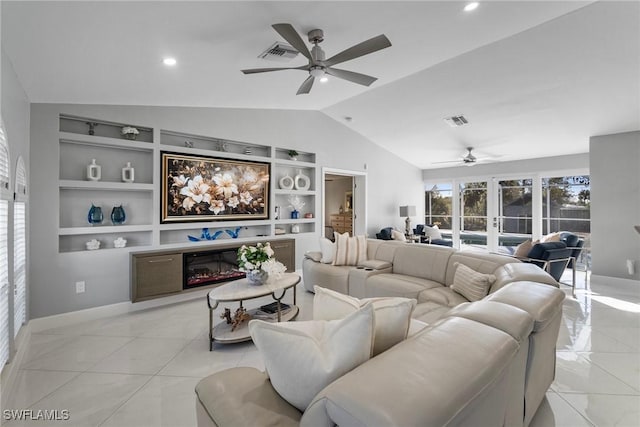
(319, 66)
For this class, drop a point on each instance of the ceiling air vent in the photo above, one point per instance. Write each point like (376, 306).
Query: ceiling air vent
(456, 121)
(279, 51)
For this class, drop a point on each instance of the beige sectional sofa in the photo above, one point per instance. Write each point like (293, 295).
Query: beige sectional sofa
(483, 363)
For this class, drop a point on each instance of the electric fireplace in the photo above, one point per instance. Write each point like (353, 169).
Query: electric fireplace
(209, 267)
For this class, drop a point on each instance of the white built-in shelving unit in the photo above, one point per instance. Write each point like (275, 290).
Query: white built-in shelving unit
(141, 198)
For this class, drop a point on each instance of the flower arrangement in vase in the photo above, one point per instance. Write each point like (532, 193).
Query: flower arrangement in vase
(129, 132)
(257, 261)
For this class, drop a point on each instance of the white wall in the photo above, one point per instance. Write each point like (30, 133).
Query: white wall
(391, 182)
(615, 204)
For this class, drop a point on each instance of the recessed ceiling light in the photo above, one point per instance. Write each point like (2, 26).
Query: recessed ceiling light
(471, 6)
(169, 61)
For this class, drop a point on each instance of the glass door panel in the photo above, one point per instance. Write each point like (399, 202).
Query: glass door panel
(473, 214)
(515, 213)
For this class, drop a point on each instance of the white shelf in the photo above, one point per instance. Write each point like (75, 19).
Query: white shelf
(102, 229)
(103, 141)
(214, 153)
(279, 191)
(104, 185)
(294, 164)
(296, 221)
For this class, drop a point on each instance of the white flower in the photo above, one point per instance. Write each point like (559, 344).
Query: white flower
(248, 265)
(217, 206)
(245, 197)
(233, 202)
(275, 268)
(129, 129)
(180, 181)
(226, 186)
(196, 192)
(268, 250)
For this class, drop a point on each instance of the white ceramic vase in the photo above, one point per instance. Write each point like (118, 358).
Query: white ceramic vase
(128, 173)
(94, 171)
(301, 182)
(286, 183)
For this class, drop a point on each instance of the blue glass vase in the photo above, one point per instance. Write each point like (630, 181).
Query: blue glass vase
(295, 214)
(117, 215)
(95, 216)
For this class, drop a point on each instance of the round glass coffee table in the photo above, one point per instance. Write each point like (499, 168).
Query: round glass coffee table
(240, 291)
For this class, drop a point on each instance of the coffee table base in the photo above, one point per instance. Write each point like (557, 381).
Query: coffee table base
(222, 331)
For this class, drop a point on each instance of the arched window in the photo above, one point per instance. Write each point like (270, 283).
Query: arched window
(20, 247)
(5, 196)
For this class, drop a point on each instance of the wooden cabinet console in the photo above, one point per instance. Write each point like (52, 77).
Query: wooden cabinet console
(160, 273)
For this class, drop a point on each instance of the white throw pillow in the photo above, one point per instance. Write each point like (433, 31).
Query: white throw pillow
(432, 232)
(350, 250)
(551, 237)
(397, 235)
(328, 249)
(302, 358)
(471, 284)
(392, 314)
(523, 249)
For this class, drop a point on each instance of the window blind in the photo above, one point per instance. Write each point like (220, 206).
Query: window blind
(4, 283)
(19, 265)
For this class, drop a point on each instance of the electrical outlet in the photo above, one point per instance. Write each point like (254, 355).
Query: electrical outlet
(80, 287)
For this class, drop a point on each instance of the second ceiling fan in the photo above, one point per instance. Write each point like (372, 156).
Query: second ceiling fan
(318, 65)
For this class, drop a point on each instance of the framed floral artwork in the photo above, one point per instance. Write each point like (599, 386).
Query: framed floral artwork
(202, 188)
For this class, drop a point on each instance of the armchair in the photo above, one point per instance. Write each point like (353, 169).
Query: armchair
(553, 257)
(574, 242)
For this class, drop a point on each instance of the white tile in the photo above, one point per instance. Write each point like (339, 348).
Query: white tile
(141, 356)
(629, 336)
(624, 366)
(163, 401)
(31, 386)
(195, 360)
(555, 412)
(606, 410)
(575, 374)
(585, 338)
(76, 354)
(179, 326)
(90, 398)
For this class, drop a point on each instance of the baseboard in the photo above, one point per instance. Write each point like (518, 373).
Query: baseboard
(627, 286)
(10, 371)
(42, 323)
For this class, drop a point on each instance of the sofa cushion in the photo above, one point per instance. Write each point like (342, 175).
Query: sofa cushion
(224, 398)
(551, 237)
(430, 312)
(429, 379)
(313, 255)
(392, 315)
(471, 284)
(302, 358)
(328, 250)
(398, 236)
(442, 295)
(424, 261)
(326, 275)
(397, 285)
(481, 262)
(523, 249)
(349, 250)
(512, 320)
(541, 301)
(432, 232)
(375, 264)
(520, 271)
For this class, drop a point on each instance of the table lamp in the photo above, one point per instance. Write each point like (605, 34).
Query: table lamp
(407, 211)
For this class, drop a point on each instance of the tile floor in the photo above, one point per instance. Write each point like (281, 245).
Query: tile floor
(141, 369)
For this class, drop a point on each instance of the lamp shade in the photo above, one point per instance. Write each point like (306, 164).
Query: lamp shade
(407, 211)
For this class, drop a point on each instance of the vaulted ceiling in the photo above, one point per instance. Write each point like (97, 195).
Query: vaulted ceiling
(533, 78)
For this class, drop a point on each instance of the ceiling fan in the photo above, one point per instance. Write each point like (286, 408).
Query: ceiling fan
(468, 159)
(318, 66)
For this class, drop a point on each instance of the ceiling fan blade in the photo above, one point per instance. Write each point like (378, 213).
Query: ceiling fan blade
(265, 70)
(293, 38)
(448, 161)
(368, 46)
(361, 79)
(305, 87)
